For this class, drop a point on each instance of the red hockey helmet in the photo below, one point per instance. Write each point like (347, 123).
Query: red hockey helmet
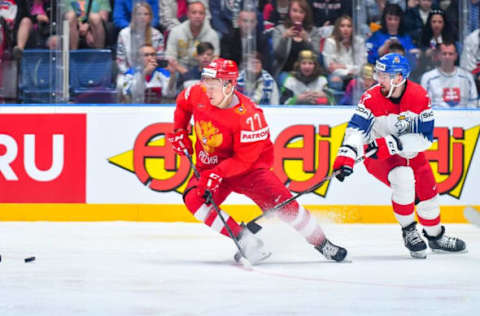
(221, 68)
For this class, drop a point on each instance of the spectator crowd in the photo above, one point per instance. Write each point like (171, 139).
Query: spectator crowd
(289, 51)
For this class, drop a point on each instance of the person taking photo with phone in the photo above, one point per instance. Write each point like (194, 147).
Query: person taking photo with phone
(297, 33)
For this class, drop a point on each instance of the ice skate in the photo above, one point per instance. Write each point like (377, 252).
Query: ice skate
(442, 243)
(331, 251)
(252, 248)
(414, 242)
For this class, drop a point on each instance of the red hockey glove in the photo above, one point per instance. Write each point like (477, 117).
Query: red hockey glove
(343, 165)
(385, 147)
(180, 141)
(209, 181)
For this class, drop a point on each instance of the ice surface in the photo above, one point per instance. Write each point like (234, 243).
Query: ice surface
(128, 268)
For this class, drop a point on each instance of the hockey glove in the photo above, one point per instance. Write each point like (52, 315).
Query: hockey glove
(208, 184)
(343, 165)
(180, 141)
(385, 147)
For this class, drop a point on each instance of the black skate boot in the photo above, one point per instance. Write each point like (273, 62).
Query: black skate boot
(331, 251)
(414, 242)
(442, 243)
(252, 247)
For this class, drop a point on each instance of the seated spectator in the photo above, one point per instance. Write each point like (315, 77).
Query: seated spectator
(204, 56)
(135, 35)
(416, 18)
(326, 12)
(174, 12)
(470, 60)
(370, 16)
(11, 14)
(275, 12)
(435, 32)
(472, 17)
(289, 39)
(357, 86)
(87, 29)
(35, 28)
(225, 15)
(184, 38)
(257, 83)
(448, 85)
(242, 40)
(392, 30)
(343, 54)
(159, 82)
(304, 85)
(123, 10)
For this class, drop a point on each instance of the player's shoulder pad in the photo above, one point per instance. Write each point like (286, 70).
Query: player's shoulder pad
(370, 96)
(417, 97)
(192, 90)
(246, 106)
(253, 126)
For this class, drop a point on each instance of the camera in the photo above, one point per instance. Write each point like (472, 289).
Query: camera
(162, 63)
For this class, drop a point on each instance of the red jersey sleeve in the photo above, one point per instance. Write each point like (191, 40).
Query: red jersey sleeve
(184, 109)
(251, 138)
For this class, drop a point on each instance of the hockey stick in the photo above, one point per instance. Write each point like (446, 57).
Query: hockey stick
(254, 227)
(472, 215)
(209, 200)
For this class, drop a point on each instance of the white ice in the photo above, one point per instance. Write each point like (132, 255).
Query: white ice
(128, 268)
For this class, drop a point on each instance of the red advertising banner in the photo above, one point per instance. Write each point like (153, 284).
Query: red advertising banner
(42, 158)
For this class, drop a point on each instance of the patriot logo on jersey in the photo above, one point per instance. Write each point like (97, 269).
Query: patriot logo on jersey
(451, 96)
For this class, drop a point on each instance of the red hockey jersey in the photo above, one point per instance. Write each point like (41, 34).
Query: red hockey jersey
(233, 140)
(412, 119)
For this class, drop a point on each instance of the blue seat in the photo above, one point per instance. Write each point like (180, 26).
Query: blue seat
(37, 76)
(91, 76)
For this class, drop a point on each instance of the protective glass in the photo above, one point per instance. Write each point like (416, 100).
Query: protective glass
(382, 76)
(212, 82)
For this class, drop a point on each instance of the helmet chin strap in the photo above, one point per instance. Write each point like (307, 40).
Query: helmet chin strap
(393, 86)
(226, 96)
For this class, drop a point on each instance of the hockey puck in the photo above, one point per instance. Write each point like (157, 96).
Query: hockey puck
(29, 259)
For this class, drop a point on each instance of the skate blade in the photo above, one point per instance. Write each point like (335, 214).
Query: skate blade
(238, 258)
(446, 252)
(419, 254)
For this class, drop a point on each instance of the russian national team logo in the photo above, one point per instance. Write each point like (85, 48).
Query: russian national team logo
(209, 135)
(42, 158)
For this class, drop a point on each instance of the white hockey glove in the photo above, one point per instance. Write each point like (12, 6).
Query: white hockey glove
(385, 147)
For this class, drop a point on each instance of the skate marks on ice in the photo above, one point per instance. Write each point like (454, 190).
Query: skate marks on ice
(119, 268)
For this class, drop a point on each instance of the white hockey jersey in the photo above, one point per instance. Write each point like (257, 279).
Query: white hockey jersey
(456, 89)
(411, 120)
(158, 81)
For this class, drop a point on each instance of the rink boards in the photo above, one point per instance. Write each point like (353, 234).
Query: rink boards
(70, 163)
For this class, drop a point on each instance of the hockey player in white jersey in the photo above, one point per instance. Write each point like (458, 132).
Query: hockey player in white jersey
(394, 118)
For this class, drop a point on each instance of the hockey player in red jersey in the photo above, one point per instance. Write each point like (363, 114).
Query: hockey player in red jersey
(234, 154)
(395, 118)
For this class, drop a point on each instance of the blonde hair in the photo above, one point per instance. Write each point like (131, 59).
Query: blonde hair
(148, 27)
